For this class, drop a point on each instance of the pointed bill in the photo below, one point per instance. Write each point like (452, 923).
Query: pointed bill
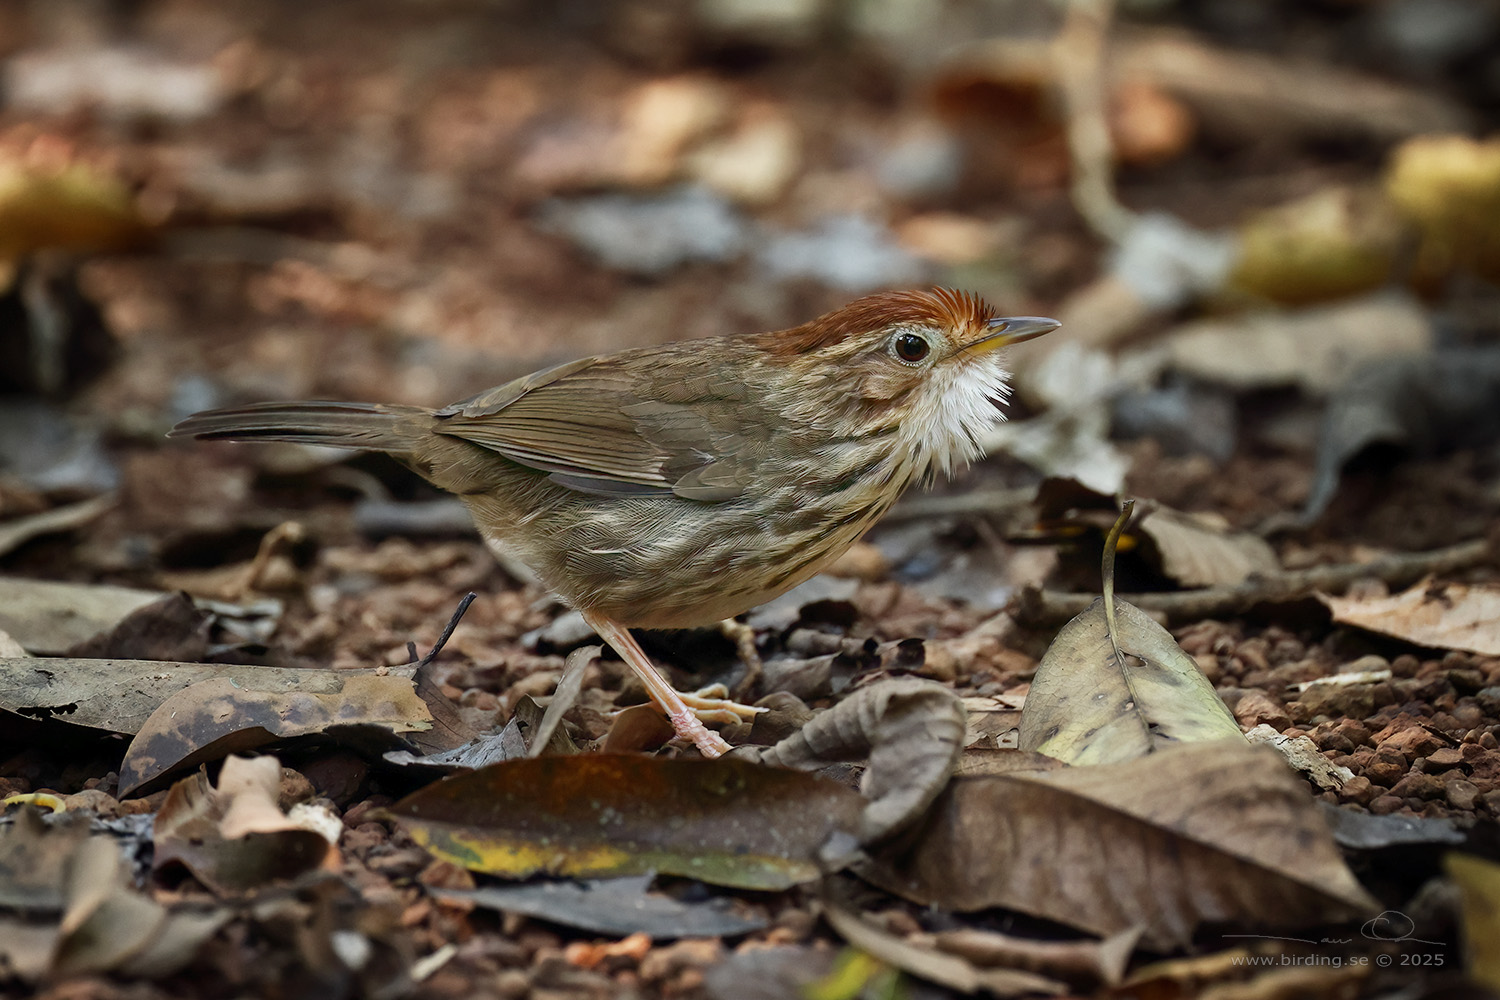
(1006, 330)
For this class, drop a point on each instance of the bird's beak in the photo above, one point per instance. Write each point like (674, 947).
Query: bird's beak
(1006, 330)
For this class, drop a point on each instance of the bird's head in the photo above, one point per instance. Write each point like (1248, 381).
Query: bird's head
(925, 366)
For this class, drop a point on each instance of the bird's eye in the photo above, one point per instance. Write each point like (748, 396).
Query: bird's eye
(910, 348)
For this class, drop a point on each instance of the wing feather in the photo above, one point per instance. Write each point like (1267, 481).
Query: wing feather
(596, 426)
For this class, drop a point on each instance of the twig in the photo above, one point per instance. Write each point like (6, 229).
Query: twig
(1078, 55)
(442, 641)
(986, 501)
(1037, 607)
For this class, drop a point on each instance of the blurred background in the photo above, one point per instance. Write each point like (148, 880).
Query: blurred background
(1269, 228)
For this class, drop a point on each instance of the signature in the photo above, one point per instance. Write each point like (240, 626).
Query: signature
(1388, 925)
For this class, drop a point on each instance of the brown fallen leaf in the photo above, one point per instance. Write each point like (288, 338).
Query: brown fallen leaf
(910, 730)
(1184, 836)
(563, 697)
(235, 838)
(171, 628)
(617, 906)
(270, 571)
(1312, 348)
(66, 910)
(993, 723)
(977, 763)
(120, 695)
(1194, 550)
(1415, 404)
(1442, 615)
(1200, 550)
(516, 739)
(638, 729)
(726, 821)
(212, 718)
(48, 616)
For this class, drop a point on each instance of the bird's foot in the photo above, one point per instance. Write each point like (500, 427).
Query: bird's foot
(713, 704)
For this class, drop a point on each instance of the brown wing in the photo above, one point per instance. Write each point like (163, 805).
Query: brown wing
(607, 426)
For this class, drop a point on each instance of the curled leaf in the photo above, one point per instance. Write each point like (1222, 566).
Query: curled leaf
(213, 718)
(235, 837)
(911, 730)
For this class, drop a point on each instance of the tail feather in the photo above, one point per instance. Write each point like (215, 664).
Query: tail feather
(363, 426)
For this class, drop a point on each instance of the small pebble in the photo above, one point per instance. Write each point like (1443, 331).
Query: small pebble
(1358, 789)
(1418, 785)
(1443, 758)
(1365, 664)
(1255, 708)
(1384, 805)
(1462, 794)
(1413, 741)
(1405, 665)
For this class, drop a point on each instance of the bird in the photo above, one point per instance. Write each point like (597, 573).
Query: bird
(678, 485)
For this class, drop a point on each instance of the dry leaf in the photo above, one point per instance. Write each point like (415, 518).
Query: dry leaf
(10, 649)
(517, 738)
(1419, 404)
(213, 718)
(48, 617)
(910, 730)
(1335, 242)
(980, 763)
(1478, 883)
(1216, 832)
(563, 697)
(1449, 187)
(1441, 615)
(617, 907)
(1312, 348)
(235, 838)
(1085, 706)
(120, 695)
(1200, 550)
(729, 822)
(65, 908)
(171, 629)
(77, 206)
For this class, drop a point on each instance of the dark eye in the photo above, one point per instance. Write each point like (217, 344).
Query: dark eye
(911, 348)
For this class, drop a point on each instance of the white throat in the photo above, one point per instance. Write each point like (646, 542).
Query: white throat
(952, 413)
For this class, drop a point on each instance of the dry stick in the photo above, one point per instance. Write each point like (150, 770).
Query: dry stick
(458, 615)
(1045, 607)
(1078, 55)
(984, 501)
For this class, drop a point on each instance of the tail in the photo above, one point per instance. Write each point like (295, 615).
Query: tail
(364, 426)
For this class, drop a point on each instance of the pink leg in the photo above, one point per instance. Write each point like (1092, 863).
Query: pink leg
(687, 725)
